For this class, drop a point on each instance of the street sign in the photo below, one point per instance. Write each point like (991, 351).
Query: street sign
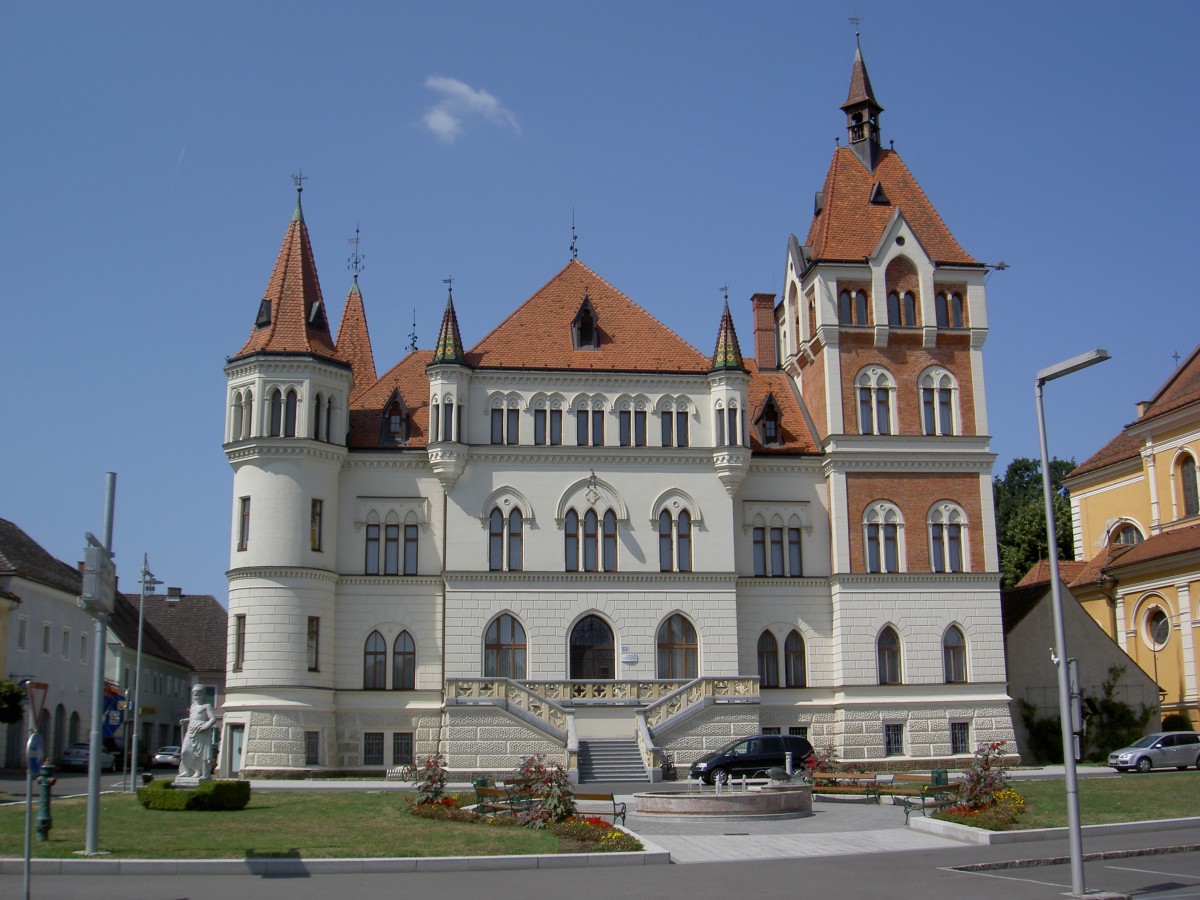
(35, 752)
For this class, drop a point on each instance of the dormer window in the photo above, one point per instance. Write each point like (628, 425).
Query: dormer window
(316, 315)
(585, 330)
(263, 319)
(770, 432)
(395, 421)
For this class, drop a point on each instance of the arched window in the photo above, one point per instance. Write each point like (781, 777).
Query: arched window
(571, 541)
(590, 549)
(954, 656)
(883, 531)
(937, 402)
(329, 419)
(894, 319)
(610, 541)
(235, 425)
(666, 542)
(956, 311)
(768, 660)
(73, 729)
(1186, 471)
(289, 415)
(592, 652)
(505, 540)
(675, 542)
(678, 650)
(276, 413)
(888, 652)
(845, 309)
(1126, 534)
(375, 663)
(947, 531)
(793, 660)
(318, 410)
(683, 547)
(860, 309)
(504, 648)
(941, 308)
(449, 432)
(393, 423)
(404, 663)
(496, 541)
(875, 388)
(248, 415)
(910, 310)
(516, 534)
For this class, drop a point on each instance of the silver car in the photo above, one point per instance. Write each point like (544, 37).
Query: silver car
(1162, 750)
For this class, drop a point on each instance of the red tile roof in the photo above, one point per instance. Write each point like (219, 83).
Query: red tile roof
(1068, 570)
(1166, 543)
(293, 292)
(849, 226)
(354, 341)
(793, 426)
(537, 335)
(408, 379)
(1094, 568)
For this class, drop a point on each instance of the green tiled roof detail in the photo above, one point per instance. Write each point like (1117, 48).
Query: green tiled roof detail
(449, 347)
(727, 355)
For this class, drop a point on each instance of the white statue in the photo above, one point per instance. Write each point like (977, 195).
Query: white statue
(195, 755)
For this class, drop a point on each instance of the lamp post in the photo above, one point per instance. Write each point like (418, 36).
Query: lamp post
(148, 581)
(1060, 642)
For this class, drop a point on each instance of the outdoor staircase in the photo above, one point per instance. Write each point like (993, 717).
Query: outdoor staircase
(610, 759)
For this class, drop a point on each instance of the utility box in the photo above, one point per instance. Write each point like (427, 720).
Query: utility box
(939, 777)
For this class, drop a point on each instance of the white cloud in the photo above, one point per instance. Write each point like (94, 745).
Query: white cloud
(460, 100)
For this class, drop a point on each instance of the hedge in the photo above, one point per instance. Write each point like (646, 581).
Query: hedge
(210, 795)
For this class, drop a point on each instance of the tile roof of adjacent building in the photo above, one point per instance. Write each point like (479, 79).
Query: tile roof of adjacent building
(195, 624)
(124, 624)
(296, 320)
(354, 341)
(849, 226)
(1181, 389)
(407, 380)
(1163, 544)
(795, 436)
(538, 335)
(1039, 573)
(21, 555)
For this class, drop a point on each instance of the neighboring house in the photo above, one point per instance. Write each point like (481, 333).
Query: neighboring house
(196, 626)
(1136, 517)
(1032, 673)
(50, 639)
(583, 528)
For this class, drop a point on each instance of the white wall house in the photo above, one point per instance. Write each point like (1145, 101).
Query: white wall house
(583, 529)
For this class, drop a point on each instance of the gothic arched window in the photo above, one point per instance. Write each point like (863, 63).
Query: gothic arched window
(678, 649)
(375, 663)
(504, 648)
(888, 653)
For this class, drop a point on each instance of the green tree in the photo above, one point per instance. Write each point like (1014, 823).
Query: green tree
(1021, 516)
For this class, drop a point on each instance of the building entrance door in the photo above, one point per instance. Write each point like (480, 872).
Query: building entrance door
(592, 656)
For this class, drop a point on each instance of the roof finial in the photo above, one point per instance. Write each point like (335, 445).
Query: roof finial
(449, 282)
(355, 262)
(412, 335)
(298, 179)
(724, 289)
(856, 21)
(1175, 356)
(574, 237)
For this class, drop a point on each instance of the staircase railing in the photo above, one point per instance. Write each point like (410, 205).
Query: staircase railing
(513, 696)
(616, 693)
(659, 717)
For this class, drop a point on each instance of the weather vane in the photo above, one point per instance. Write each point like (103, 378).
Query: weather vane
(574, 237)
(355, 262)
(298, 179)
(724, 289)
(449, 282)
(412, 335)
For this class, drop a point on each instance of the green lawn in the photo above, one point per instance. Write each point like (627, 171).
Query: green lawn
(274, 824)
(1122, 798)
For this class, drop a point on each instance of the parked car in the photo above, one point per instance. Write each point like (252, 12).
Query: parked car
(77, 755)
(1161, 750)
(751, 756)
(167, 756)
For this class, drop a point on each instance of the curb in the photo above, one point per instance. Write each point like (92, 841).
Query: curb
(968, 834)
(292, 867)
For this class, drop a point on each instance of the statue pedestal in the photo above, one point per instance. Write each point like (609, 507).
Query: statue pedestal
(189, 781)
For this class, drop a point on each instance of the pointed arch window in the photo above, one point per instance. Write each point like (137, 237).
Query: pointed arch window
(289, 414)
(793, 660)
(276, 412)
(902, 310)
(609, 547)
(375, 663)
(571, 541)
(949, 310)
(318, 410)
(888, 653)
(1186, 472)
(769, 422)
(938, 395)
(947, 533)
(768, 660)
(248, 414)
(592, 651)
(883, 532)
(875, 388)
(585, 329)
(954, 656)
(395, 422)
(504, 648)
(505, 540)
(910, 310)
(235, 423)
(404, 663)
(448, 430)
(678, 649)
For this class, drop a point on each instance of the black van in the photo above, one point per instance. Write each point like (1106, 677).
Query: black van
(751, 756)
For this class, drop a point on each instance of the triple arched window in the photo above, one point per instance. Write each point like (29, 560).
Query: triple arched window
(504, 648)
(883, 538)
(678, 648)
(875, 388)
(404, 663)
(947, 538)
(505, 540)
(592, 547)
(675, 541)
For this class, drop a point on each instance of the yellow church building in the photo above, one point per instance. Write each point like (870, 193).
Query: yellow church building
(1135, 507)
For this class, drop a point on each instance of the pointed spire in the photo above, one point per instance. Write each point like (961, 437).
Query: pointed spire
(449, 347)
(291, 316)
(727, 355)
(354, 340)
(862, 113)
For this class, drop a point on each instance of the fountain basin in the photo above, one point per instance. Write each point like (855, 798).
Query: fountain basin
(768, 802)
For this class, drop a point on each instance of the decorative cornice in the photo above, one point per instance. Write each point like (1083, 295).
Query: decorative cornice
(296, 572)
(426, 581)
(590, 456)
(283, 447)
(637, 581)
(591, 380)
(299, 365)
(930, 580)
(417, 458)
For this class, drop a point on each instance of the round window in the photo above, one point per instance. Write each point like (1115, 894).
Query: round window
(1158, 628)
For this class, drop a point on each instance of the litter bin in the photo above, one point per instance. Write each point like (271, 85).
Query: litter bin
(938, 777)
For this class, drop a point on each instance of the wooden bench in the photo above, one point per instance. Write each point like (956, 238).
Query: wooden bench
(616, 811)
(932, 796)
(907, 784)
(864, 783)
(491, 800)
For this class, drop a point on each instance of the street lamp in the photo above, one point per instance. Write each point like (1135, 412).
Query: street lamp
(148, 581)
(1060, 641)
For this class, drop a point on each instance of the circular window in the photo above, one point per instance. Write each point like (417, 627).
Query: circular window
(1158, 628)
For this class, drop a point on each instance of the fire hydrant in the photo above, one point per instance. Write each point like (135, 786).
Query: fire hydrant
(46, 780)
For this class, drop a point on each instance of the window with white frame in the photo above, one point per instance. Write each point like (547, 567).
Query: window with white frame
(938, 402)
(504, 648)
(675, 541)
(777, 551)
(947, 538)
(1185, 472)
(883, 538)
(590, 541)
(768, 660)
(875, 387)
(505, 540)
(954, 656)
(887, 649)
(1125, 533)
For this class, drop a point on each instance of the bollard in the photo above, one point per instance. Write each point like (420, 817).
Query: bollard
(46, 780)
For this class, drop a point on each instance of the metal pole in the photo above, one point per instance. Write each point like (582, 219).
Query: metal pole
(100, 633)
(1060, 640)
(148, 580)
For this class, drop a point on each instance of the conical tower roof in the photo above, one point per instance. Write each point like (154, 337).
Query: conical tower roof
(728, 354)
(860, 84)
(291, 317)
(354, 341)
(449, 347)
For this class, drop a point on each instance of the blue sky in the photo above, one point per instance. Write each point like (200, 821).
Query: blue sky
(149, 149)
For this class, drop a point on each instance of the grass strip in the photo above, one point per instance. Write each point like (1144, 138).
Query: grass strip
(1120, 798)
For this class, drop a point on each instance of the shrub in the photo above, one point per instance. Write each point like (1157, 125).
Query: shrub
(822, 760)
(430, 778)
(209, 795)
(985, 778)
(1176, 722)
(12, 702)
(445, 809)
(618, 842)
(551, 788)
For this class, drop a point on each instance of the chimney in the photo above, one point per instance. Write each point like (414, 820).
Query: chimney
(766, 347)
(1142, 406)
(174, 594)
